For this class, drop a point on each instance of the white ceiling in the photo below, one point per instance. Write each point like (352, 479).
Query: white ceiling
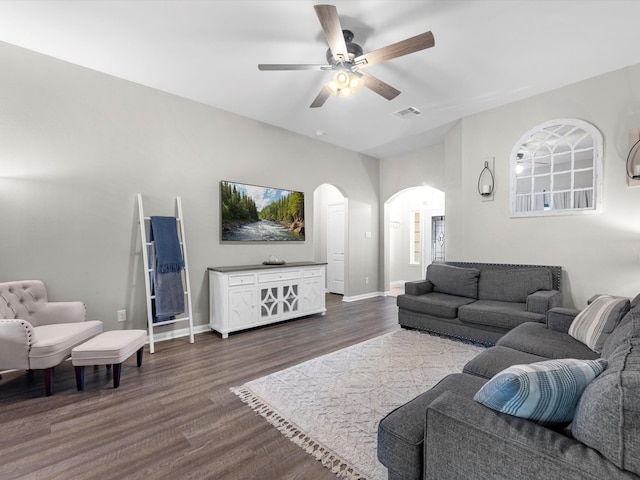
(487, 53)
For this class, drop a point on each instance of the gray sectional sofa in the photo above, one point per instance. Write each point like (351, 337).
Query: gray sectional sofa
(445, 434)
(479, 301)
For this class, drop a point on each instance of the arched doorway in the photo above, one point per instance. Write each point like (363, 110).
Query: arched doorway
(414, 235)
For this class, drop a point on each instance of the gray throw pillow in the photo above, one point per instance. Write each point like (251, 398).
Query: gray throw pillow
(595, 323)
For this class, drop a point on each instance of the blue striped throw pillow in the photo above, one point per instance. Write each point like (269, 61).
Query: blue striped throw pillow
(544, 392)
(593, 325)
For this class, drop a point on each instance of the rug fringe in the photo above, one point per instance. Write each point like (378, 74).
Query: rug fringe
(329, 459)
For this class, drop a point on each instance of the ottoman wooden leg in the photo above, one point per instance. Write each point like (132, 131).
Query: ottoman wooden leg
(80, 378)
(139, 356)
(117, 369)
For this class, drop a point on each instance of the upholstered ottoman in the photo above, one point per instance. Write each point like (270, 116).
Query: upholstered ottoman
(108, 348)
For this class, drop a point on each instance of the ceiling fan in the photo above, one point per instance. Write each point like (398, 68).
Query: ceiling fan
(349, 61)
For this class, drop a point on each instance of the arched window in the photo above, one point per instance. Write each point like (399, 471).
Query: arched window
(556, 169)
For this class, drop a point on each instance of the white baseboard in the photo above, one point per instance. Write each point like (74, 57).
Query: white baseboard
(355, 298)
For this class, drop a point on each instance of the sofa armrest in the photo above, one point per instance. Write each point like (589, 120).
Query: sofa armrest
(543, 300)
(60, 312)
(559, 319)
(419, 287)
(464, 439)
(16, 337)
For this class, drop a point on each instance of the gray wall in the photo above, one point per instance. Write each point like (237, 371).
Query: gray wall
(77, 145)
(598, 252)
(423, 167)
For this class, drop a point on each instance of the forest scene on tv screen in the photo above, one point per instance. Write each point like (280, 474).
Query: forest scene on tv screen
(255, 213)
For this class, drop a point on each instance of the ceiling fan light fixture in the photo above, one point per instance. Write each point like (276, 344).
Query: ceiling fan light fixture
(331, 87)
(344, 83)
(341, 79)
(355, 82)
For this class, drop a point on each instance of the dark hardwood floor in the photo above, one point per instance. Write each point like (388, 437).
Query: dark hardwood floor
(175, 418)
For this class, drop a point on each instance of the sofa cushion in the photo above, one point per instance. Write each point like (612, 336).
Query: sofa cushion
(462, 282)
(537, 339)
(53, 343)
(608, 415)
(495, 359)
(513, 285)
(505, 315)
(543, 392)
(629, 324)
(401, 432)
(435, 304)
(595, 323)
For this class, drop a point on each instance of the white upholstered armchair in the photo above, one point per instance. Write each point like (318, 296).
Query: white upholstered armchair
(36, 334)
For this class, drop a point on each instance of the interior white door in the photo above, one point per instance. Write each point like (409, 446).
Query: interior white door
(335, 248)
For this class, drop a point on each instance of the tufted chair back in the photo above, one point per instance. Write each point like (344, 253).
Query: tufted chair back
(22, 299)
(27, 300)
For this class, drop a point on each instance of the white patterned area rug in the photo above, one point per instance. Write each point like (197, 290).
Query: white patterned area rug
(331, 405)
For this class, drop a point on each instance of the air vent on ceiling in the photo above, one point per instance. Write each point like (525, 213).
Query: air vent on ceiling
(408, 112)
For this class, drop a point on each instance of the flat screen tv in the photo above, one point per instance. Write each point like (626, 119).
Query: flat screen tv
(252, 213)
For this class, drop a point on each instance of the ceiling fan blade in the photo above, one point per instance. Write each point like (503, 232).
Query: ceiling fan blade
(293, 66)
(404, 47)
(320, 99)
(328, 16)
(381, 88)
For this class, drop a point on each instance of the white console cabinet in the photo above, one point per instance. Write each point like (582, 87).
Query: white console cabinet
(253, 295)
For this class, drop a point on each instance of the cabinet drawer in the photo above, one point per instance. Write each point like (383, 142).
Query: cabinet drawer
(316, 272)
(278, 276)
(242, 279)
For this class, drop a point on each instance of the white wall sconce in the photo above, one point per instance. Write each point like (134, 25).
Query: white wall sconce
(486, 180)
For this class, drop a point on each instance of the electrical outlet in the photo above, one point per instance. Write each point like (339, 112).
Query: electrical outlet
(122, 315)
(366, 280)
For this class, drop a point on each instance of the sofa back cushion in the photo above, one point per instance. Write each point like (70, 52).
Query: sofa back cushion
(608, 414)
(513, 285)
(620, 334)
(462, 282)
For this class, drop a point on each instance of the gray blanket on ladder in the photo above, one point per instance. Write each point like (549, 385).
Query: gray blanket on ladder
(166, 282)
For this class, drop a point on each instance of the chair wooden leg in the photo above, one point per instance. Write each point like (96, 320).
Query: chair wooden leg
(48, 381)
(80, 378)
(117, 369)
(139, 356)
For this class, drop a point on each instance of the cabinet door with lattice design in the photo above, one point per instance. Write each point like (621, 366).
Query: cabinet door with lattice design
(313, 294)
(242, 306)
(269, 302)
(290, 298)
(279, 300)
